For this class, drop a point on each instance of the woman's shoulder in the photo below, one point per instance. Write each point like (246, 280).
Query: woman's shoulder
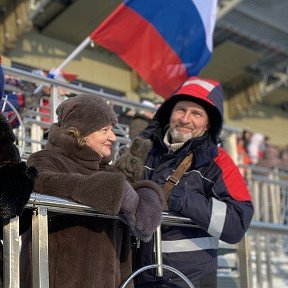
(43, 155)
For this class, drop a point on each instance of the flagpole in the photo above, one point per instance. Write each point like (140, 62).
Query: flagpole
(54, 95)
(74, 53)
(70, 57)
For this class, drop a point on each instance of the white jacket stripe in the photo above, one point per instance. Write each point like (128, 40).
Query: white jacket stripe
(218, 216)
(189, 245)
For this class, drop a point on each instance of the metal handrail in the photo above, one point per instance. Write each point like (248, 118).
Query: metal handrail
(57, 204)
(38, 201)
(74, 88)
(44, 203)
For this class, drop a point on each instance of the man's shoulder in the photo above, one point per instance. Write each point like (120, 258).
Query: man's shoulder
(224, 161)
(222, 155)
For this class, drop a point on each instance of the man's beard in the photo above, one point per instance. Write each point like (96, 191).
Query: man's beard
(178, 137)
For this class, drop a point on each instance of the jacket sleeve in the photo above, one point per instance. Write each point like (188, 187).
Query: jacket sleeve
(102, 190)
(227, 212)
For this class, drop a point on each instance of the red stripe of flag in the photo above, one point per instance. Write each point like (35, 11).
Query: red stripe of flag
(130, 28)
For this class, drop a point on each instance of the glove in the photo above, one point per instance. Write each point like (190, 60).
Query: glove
(17, 182)
(149, 210)
(129, 206)
(143, 213)
(132, 161)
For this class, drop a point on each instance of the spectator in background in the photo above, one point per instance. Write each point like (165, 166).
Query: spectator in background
(255, 147)
(243, 156)
(271, 158)
(127, 116)
(284, 158)
(246, 138)
(141, 119)
(265, 145)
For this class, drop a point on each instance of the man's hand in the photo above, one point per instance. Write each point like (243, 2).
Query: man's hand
(131, 162)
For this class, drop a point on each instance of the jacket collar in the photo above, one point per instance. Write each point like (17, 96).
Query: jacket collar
(203, 148)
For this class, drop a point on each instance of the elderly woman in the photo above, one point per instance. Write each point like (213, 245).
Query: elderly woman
(87, 251)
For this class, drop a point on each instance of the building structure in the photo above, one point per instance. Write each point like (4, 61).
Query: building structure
(249, 58)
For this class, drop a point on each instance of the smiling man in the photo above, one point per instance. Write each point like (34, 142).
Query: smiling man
(210, 191)
(188, 120)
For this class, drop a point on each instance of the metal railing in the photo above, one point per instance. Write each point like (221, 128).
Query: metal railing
(270, 199)
(268, 189)
(41, 204)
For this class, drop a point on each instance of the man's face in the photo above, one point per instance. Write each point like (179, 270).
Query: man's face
(188, 120)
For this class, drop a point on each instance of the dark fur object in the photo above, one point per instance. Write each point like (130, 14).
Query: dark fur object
(16, 179)
(17, 182)
(8, 150)
(132, 161)
(6, 134)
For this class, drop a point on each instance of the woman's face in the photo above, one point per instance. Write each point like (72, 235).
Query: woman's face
(101, 141)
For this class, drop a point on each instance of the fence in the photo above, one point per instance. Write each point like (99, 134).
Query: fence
(262, 249)
(270, 196)
(41, 204)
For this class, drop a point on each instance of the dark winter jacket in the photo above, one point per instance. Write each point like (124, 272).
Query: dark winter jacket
(84, 252)
(211, 193)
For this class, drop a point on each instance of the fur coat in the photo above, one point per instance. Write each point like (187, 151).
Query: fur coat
(84, 251)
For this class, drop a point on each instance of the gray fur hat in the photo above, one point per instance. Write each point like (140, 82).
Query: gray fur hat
(87, 113)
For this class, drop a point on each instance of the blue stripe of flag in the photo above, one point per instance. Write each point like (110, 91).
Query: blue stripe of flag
(179, 23)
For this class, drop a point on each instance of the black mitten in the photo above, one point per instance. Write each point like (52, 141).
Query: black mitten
(132, 161)
(17, 182)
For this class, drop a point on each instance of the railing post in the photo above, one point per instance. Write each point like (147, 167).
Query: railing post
(40, 248)
(243, 253)
(158, 251)
(268, 206)
(11, 253)
(232, 150)
(54, 103)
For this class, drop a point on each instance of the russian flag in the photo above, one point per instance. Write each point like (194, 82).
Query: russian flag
(165, 42)
(61, 75)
